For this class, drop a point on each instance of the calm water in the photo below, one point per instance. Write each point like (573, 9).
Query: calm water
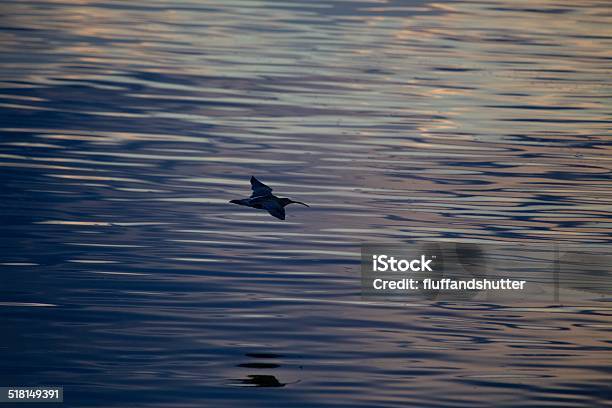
(125, 127)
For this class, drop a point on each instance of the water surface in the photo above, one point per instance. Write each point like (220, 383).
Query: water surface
(125, 128)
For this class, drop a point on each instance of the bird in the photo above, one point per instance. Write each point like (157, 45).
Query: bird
(263, 199)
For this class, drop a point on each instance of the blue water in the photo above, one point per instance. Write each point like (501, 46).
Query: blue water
(125, 127)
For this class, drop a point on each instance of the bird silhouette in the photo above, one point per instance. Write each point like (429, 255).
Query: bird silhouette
(263, 199)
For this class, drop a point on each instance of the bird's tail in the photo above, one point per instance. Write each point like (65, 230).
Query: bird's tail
(239, 202)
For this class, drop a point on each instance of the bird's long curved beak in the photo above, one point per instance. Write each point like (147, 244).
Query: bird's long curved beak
(299, 202)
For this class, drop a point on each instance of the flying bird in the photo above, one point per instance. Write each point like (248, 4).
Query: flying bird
(263, 199)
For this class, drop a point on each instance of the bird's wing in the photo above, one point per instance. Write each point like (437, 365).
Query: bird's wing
(259, 188)
(274, 208)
